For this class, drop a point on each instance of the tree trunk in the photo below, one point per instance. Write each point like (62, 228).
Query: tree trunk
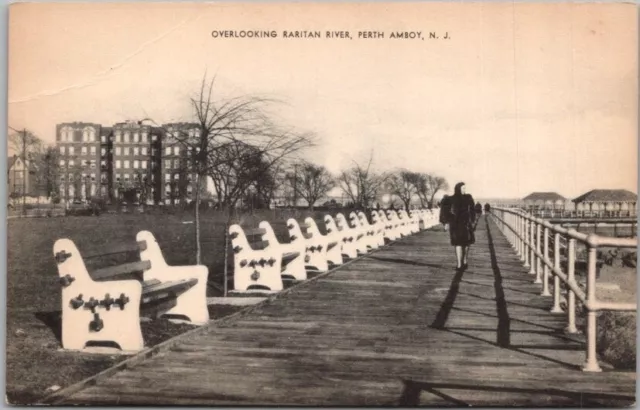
(226, 253)
(198, 250)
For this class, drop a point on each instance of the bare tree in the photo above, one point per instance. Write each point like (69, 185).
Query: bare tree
(26, 145)
(311, 182)
(402, 184)
(239, 119)
(361, 185)
(48, 173)
(428, 185)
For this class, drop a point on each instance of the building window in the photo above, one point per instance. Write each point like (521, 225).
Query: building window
(103, 139)
(88, 134)
(167, 151)
(66, 134)
(103, 164)
(93, 177)
(127, 134)
(92, 164)
(143, 164)
(176, 176)
(167, 164)
(125, 151)
(71, 150)
(136, 137)
(63, 150)
(103, 151)
(176, 163)
(118, 163)
(143, 150)
(144, 136)
(136, 151)
(126, 164)
(118, 136)
(118, 177)
(167, 177)
(126, 177)
(71, 163)
(118, 151)
(176, 150)
(93, 150)
(136, 163)
(154, 138)
(83, 150)
(62, 163)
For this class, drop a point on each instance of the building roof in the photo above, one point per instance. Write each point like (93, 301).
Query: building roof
(607, 195)
(544, 197)
(12, 160)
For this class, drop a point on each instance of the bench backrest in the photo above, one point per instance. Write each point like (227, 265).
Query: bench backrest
(71, 262)
(330, 225)
(363, 219)
(295, 230)
(251, 239)
(341, 222)
(312, 227)
(268, 235)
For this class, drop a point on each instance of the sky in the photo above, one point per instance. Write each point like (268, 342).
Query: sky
(521, 97)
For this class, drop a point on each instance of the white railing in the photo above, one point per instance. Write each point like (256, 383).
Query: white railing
(530, 236)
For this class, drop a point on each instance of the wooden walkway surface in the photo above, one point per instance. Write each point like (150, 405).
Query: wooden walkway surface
(397, 328)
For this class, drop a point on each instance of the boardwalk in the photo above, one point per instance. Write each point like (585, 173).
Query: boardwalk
(398, 327)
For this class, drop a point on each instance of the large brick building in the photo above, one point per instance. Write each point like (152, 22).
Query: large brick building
(128, 161)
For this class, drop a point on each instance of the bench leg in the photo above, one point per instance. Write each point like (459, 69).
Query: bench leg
(296, 268)
(101, 326)
(191, 303)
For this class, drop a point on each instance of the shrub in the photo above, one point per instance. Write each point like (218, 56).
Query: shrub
(616, 339)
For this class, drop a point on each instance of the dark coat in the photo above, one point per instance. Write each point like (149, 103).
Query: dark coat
(462, 217)
(445, 209)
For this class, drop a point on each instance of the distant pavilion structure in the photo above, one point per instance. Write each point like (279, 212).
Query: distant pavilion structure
(607, 202)
(537, 201)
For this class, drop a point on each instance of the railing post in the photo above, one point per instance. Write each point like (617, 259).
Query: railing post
(538, 248)
(556, 262)
(545, 279)
(571, 297)
(556, 279)
(532, 244)
(525, 241)
(591, 364)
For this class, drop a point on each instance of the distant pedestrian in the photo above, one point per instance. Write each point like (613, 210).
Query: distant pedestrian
(487, 208)
(478, 209)
(461, 219)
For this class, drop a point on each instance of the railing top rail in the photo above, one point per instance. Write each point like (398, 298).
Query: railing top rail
(591, 239)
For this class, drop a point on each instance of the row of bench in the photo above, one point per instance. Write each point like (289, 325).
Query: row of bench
(104, 308)
(262, 263)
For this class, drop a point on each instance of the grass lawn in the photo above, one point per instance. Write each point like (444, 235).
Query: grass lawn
(34, 361)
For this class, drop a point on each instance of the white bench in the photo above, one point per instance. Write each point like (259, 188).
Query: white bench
(104, 308)
(314, 244)
(255, 267)
(334, 254)
(362, 240)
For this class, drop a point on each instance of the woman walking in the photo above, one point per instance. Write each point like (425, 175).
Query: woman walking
(462, 216)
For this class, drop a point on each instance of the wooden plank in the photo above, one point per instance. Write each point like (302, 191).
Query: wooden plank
(255, 232)
(166, 289)
(112, 249)
(120, 270)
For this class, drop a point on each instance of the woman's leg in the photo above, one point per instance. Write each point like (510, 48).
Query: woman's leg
(465, 252)
(459, 256)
